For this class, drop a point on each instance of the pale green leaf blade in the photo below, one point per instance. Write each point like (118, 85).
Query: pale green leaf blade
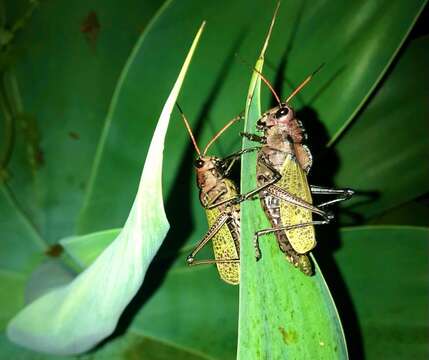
(84, 249)
(284, 314)
(88, 309)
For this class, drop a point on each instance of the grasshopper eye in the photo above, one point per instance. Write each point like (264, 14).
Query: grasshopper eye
(198, 163)
(283, 111)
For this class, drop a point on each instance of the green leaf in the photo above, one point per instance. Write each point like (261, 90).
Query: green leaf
(85, 249)
(170, 325)
(50, 274)
(87, 310)
(193, 310)
(283, 313)
(64, 70)
(385, 152)
(385, 270)
(21, 247)
(414, 213)
(136, 346)
(11, 295)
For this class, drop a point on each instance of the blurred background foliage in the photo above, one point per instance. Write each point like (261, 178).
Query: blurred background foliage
(76, 121)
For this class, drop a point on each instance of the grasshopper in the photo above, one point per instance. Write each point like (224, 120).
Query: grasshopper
(283, 163)
(219, 198)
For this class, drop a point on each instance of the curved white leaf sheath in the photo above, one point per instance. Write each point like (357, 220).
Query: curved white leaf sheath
(73, 318)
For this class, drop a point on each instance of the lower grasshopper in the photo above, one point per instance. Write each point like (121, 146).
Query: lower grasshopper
(283, 163)
(217, 194)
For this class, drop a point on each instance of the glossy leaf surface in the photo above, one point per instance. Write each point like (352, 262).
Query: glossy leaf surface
(386, 272)
(283, 313)
(389, 133)
(88, 308)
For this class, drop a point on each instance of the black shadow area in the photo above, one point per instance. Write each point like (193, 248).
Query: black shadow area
(326, 163)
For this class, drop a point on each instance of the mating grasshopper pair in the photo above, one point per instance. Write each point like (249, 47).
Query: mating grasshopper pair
(283, 163)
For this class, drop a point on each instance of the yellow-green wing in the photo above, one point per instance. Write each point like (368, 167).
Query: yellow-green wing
(224, 249)
(294, 180)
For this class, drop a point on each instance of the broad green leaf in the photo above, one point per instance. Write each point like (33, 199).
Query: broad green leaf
(21, 248)
(11, 295)
(385, 152)
(136, 346)
(12, 351)
(85, 249)
(413, 213)
(385, 269)
(87, 309)
(169, 325)
(65, 62)
(132, 345)
(21, 245)
(214, 94)
(49, 275)
(284, 314)
(192, 310)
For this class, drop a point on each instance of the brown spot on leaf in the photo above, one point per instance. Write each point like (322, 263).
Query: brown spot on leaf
(289, 337)
(55, 250)
(74, 135)
(90, 28)
(39, 157)
(30, 130)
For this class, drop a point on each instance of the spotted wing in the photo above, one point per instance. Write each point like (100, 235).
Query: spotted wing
(294, 180)
(224, 248)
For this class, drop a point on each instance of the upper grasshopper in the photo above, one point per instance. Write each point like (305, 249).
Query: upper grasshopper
(283, 163)
(217, 194)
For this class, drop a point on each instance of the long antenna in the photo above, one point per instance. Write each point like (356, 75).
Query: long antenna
(221, 131)
(188, 127)
(305, 82)
(270, 30)
(264, 79)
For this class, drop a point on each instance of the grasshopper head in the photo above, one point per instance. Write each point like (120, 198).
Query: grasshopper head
(281, 121)
(283, 115)
(208, 170)
(280, 115)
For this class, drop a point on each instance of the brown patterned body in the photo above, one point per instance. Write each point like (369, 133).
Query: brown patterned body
(285, 153)
(274, 209)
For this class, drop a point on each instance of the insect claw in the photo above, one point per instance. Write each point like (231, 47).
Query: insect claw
(190, 260)
(329, 216)
(258, 254)
(238, 200)
(349, 193)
